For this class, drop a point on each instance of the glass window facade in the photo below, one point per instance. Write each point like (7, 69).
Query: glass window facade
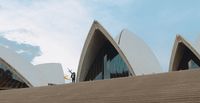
(8, 79)
(192, 64)
(107, 64)
(188, 59)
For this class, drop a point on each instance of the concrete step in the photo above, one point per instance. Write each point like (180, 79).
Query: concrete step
(173, 87)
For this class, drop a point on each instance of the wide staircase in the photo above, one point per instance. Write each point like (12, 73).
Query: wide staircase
(173, 87)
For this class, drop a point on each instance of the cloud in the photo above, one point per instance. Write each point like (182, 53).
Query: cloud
(117, 3)
(58, 28)
(25, 50)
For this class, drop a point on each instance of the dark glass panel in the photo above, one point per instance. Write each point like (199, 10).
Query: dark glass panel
(188, 59)
(107, 64)
(192, 65)
(8, 79)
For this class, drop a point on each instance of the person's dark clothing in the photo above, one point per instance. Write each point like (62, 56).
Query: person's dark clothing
(73, 75)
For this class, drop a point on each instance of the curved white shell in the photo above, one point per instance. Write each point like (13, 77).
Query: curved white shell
(135, 53)
(32, 75)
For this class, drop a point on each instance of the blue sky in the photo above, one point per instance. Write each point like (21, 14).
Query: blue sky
(55, 31)
(156, 22)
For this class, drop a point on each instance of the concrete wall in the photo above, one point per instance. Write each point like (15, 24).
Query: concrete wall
(51, 73)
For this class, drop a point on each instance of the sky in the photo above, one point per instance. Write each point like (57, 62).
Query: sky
(44, 31)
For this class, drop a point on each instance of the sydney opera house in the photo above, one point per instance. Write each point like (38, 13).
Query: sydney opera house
(185, 55)
(102, 58)
(16, 72)
(105, 58)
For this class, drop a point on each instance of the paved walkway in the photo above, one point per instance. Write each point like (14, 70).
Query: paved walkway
(173, 87)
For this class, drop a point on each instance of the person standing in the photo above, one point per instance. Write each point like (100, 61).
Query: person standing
(73, 76)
